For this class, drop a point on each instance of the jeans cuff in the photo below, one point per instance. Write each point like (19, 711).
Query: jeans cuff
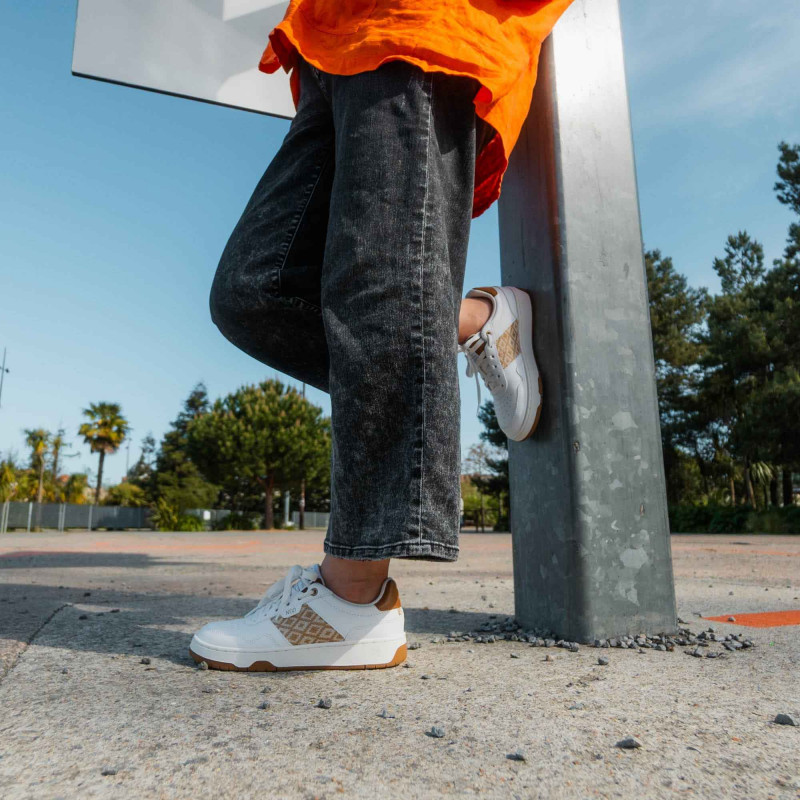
(419, 549)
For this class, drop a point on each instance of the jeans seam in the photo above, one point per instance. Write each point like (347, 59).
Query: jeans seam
(391, 544)
(429, 82)
(303, 210)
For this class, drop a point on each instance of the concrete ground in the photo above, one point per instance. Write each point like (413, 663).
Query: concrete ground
(81, 714)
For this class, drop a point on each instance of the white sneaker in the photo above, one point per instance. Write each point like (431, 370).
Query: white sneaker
(301, 624)
(502, 352)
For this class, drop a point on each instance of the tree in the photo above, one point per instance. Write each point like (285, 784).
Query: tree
(258, 439)
(676, 317)
(496, 482)
(176, 478)
(142, 473)
(8, 479)
(104, 433)
(476, 465)
(38, 440)
(75, 488)
(736, 360)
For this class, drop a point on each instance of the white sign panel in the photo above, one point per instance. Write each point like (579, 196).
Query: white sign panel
(202, 49)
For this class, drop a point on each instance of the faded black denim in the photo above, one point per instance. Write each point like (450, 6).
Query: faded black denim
(346, 271)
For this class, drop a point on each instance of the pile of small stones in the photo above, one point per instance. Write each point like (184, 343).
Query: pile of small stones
(508, 629)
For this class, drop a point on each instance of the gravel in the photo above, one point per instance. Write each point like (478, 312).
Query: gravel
(628, 743)
(386, 714)
(145, 660)
(499, 628)
(602, 661)
(787, 719)
(324, 702)
(435, 732)
(517, 755)
(202, 665)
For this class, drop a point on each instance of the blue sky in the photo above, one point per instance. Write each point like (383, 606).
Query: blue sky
(116, 204)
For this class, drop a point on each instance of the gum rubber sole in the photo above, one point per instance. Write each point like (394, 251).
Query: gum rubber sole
(538, 412)
(266, 666)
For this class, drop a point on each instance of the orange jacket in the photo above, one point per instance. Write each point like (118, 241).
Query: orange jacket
(496, 42)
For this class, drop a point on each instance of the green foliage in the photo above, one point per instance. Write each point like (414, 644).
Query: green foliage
(166, 517)
(38, 440)
(175, 476)
(8, 480)
(75, 488)
(237, 521)
(142, 473)
(104, 433)
(258, 440)
(126, 494)
(189, 523)
(733, 519)
(788, 185)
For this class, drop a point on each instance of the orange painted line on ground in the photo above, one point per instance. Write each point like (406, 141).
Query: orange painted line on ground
(765, 619)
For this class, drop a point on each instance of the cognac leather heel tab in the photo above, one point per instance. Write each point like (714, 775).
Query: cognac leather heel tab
(390, 598)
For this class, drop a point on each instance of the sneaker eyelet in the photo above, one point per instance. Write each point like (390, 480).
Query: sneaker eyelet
(313, 592)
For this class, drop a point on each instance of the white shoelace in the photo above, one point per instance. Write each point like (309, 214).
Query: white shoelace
(483, 363)
(279, 596)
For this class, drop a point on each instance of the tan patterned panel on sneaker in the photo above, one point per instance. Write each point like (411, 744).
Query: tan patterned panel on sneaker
(508, 344)
(306, 627)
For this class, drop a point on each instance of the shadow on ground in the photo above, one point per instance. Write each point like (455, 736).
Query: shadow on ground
(158, 625)
(58, 559)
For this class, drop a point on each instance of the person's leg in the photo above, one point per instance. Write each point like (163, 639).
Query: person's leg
(392, 277)
(266, 293)
(389, 293)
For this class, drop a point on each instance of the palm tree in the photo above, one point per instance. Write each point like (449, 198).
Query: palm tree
(104, 433)
(38, 440)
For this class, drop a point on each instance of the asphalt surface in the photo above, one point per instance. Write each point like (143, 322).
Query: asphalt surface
(79, 612)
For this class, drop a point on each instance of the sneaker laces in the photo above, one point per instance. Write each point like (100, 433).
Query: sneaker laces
(279, 596)
(482, 363)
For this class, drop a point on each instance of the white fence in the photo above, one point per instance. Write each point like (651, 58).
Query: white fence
(61, 516)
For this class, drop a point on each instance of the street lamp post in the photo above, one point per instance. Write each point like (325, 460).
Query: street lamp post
(3, 371)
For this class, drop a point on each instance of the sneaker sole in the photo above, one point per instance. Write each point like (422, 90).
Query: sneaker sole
(268, 666)
(529, 363)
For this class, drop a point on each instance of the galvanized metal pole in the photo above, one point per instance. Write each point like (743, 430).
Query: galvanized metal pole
(588, 503)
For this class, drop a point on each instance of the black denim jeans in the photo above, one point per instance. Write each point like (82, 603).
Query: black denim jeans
(346, 271)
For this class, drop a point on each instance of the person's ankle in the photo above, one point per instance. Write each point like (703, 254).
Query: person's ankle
(473, 315)
(354, 581)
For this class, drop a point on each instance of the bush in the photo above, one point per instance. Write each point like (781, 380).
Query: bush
(238, 521)
(167, 517)
(730, 519)
(190, 524)
(734, 519)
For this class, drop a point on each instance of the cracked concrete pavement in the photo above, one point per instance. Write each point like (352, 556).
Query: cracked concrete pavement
(78, 702)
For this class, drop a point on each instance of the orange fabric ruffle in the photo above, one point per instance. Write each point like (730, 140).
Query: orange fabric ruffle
(496, 42)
